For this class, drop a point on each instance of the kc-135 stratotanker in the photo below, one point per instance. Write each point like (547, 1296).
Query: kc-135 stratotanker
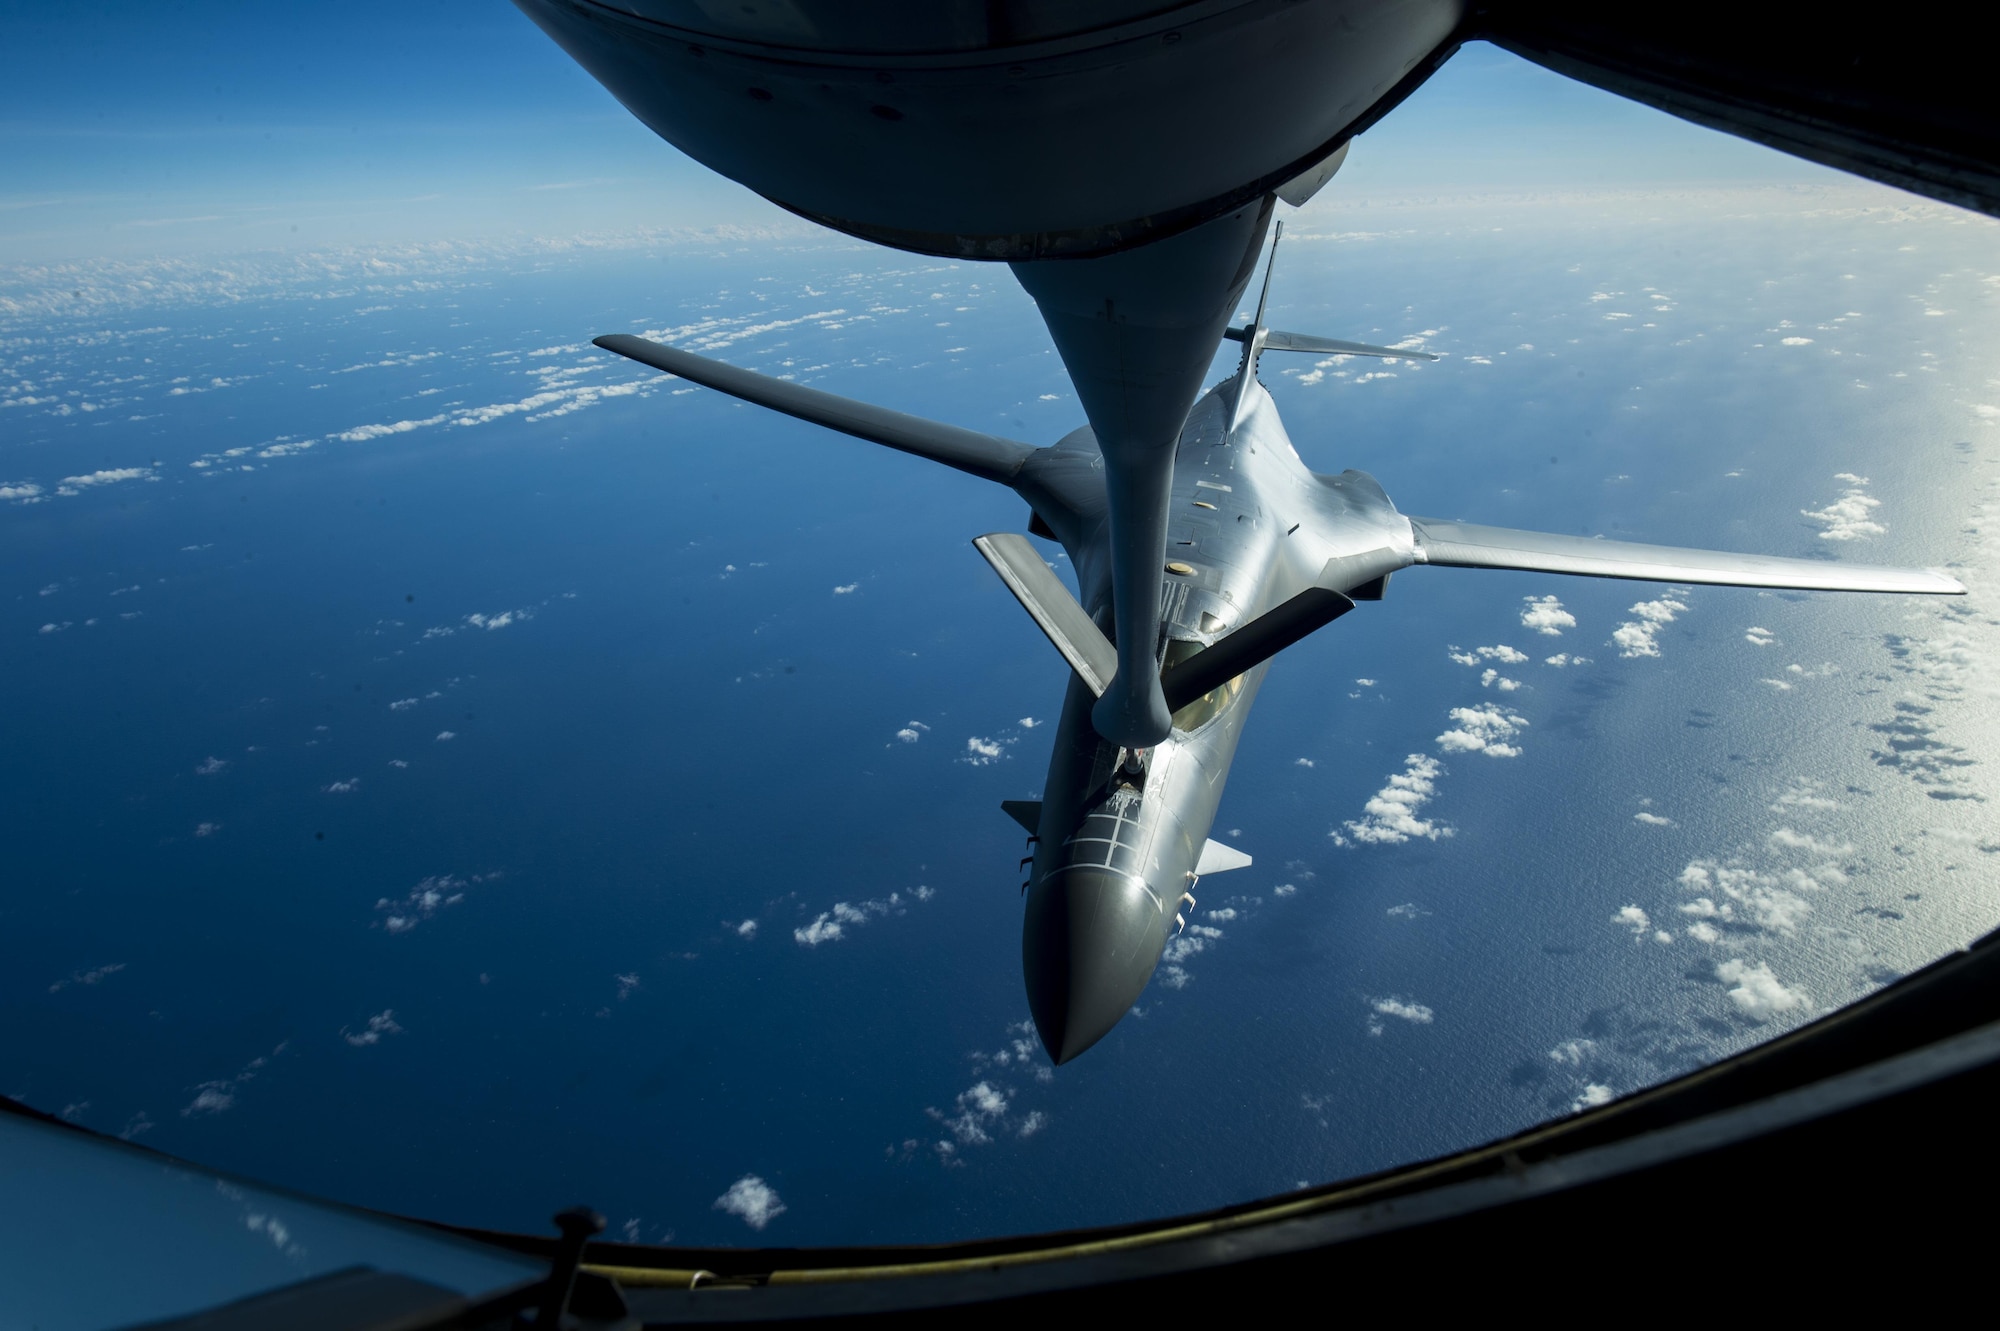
(1262, 552)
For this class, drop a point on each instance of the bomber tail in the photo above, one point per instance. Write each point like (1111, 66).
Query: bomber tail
(1258, 338)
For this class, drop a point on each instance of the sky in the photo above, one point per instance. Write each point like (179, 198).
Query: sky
(132, 129)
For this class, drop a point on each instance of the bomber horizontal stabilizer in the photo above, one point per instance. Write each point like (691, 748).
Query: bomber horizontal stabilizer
(1275, 340)
(1218, 858)
(1028, 813)
(986, 456)
(1467, 545)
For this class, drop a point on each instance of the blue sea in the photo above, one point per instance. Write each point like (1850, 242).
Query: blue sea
(456, 771)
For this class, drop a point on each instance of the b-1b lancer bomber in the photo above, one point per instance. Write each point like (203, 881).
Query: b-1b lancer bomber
(1262, 552)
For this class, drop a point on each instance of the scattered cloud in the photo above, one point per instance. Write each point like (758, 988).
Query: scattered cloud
(1545, 614)
(821, 930)
(1847, 518)
(1757, 993)
(1592, 1095)
(1652, 819)
(346, 787)
(1390, 816)
(426, 900)
(1483, 729)
(753, 1201)
(747, 929)
(379, 1026)
(1742, 897)
(219, 1096)
(95, 975)
(1640, 637)
(1417, 1014)
(1804, 795)
(974, 1114)
(830, 926)
(1572, 1053)
(1635, 919)
(211, 766)
(982, 752)
(110, 476)
(1504, 654)
(1759, 637)
(1784, 838)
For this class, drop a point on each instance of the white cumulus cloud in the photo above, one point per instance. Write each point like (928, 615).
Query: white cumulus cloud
(1847, 518)
(1545, 614)
(1390, 816)
(983, 752)
(751, 1200)
(382, 1024)
(821, 930)
(1756, 992)
(1483, 729)
(110, 476)
(1640, 636)
(1404, 1010)
(1592, 1095)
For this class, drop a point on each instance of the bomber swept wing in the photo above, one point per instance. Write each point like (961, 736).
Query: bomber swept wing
(1468, 545)
(986, 456)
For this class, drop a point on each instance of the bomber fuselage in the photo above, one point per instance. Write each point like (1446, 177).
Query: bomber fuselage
(1121, 833)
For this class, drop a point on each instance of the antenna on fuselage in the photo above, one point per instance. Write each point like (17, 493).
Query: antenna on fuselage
(1254, 337)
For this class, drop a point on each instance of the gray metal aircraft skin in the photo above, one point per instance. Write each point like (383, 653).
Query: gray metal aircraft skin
(1261, 551)
(1120, 840)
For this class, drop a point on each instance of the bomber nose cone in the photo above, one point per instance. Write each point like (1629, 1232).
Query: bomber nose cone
(1090, 943)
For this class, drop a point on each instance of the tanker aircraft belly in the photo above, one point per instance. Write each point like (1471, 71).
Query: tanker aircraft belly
(1260, 552)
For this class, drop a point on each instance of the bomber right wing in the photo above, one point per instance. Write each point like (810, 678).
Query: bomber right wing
(1468, 545)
